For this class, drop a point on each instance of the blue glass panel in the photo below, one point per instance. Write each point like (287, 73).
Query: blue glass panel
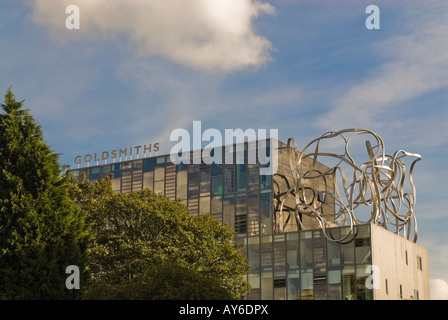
(116, 170)
(160, 161)
(216, 169)
(94, 173)
(148, 164)
(241, 177)
(265, 181)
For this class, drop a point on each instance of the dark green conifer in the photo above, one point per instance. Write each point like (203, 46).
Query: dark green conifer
(41, 230)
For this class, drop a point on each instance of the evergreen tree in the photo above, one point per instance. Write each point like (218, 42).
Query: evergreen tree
(41, 229)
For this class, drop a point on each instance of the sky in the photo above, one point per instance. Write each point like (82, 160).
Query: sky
(135, 70)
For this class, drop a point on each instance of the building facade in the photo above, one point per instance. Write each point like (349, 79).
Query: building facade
(289, 254)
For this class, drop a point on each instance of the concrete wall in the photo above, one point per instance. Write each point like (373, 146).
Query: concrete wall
(396, 259)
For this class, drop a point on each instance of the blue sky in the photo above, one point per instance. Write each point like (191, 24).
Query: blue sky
(136, 70)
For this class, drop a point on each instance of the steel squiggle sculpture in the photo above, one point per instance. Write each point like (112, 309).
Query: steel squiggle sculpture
(378, 183)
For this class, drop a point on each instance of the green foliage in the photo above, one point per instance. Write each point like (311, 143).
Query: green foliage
(41, 229)
(162, 281)
(148, 247)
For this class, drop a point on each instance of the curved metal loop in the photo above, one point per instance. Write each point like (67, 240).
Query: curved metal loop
(379, 183)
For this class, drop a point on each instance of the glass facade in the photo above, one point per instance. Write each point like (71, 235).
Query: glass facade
(288, 259)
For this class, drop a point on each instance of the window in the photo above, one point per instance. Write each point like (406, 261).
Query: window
(116, 170)
(265, 181)
(229, 210)
(306, 253)
(348, 283)
(254, 281)
(265, 212)
(94, 173)
(266, 286)
(306, 284)
(148, 164)
(266, 253)
(387, 287)
(76, 174)
(253, 253)
(292, 250)
(204, 205)
(253, 178)
(181, 184)
(229, 179)
(419, 263)
(362, 250)
(240, 177)
(415, 296)
(216, 169)
(160, 162)
(293, 285)
(205, 181)
(333, 254)
(334, 284)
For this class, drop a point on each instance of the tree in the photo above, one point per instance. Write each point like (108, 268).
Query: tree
(148, 247)
(41, 229)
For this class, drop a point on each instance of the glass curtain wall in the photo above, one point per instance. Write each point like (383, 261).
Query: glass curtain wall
(287, 263)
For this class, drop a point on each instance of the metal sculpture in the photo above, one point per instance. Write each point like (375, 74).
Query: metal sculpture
(379, 183)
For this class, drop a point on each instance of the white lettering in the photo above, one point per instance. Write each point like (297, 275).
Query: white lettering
(72, 281)
(73, 20)
(373, 21)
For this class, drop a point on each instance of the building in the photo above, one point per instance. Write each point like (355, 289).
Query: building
(291, 256)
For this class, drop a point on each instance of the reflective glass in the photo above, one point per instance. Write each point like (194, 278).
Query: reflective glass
(75, 174)
(148, 180)
(306, 253)
(229, 179)
(362, 292)
(116, 170)
(265, 181)
(205, 181)
(266, 285)
(333, 253)
(266, 212)
(204, 205)
(293, 285)
(306, 284)
(240, 177)
(334, 284)
(159, 174)
(160, 161)
(229, 210)
(348, 253)
(159, 187)
(181, 185)
(216, 185)
(254, 280)
(348, 283)
(253, 253)
(148, 164)
(216, 204)
(292, 250)
(105, 171)
(94, 173)
(253, 178)
(216, 169)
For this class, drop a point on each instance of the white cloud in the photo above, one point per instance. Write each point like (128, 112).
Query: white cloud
(439, 289)
(416, 64)
(211, 35)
